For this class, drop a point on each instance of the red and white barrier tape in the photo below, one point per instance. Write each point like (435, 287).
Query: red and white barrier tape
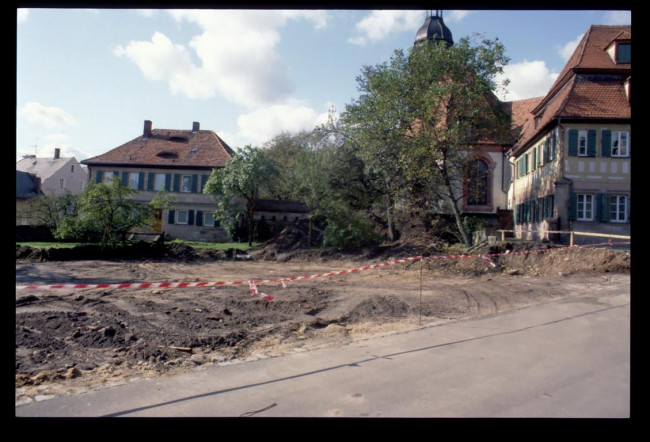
(253, 283)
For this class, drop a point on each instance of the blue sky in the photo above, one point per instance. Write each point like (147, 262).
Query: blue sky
(88, 78)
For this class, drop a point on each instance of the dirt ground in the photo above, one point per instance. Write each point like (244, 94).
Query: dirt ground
(74, 341)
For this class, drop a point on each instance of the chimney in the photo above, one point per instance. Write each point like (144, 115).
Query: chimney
(195, 126)
(147, 129)
(57, 153)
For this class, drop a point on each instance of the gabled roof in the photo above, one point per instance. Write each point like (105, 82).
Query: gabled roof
(168, 148)
(26, 185)
(591, 54)
(591, 86)
(42, 167)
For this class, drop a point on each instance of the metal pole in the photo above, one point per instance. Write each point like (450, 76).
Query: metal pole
(421, 264)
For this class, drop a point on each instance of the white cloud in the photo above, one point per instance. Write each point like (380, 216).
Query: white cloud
(146, 12)
(22, 14)
(236, 54)
(528, 79)
(567, 50)
(456, 15)
(263, 124)
(379, 25)
(618, 17)
(50, 117)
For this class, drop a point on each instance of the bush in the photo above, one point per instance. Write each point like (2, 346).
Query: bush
(348, 229)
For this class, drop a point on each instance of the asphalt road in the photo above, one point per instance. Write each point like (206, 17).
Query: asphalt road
(568, 358)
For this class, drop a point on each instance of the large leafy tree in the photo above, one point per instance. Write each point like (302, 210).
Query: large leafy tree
(419, 118)
(453, 108)
(108, 211)
(243, 179)
(375, 124)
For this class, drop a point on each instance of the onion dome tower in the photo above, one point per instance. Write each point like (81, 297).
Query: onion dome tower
(434, 29)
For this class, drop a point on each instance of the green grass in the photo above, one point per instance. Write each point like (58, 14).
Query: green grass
(52, 245)
(214, 245)
(193, 244)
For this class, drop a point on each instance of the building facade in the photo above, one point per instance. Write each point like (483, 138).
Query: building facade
(572, 162)
(177, 162)
(57, 175)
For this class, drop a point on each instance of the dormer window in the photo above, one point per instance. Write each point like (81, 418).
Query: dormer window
(624, 53)
(620, 51)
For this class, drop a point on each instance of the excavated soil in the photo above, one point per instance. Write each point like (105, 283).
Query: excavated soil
(70, 341)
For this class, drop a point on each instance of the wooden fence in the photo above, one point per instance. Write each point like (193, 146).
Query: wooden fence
(570, 233)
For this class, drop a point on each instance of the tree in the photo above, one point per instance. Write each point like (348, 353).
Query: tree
(376, 122)
(453, 108)
(49, 209)
(420, 117)
(109, 212)
(244, 177)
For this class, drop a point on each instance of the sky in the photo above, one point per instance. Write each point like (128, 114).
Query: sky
(87, 79)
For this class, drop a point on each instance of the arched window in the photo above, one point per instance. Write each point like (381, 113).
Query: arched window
(477, 183)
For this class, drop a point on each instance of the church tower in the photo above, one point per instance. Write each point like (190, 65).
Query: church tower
(434, 29)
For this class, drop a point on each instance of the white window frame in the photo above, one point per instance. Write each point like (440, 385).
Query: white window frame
(583, 150)
(178, 219)
(623, 151)
(108, 177)
(208, 219)
(616, 215)
(585, 207)
(158, 184)
(134, 180)
(188, 188)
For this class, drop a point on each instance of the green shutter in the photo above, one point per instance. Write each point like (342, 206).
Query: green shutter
(603, 209)
(177, 182)
(168, 182)
(141, 181)
(170, 217)
(573, 143)
(99, 176)
(125, 179)
(195, 183)
(204, 179)
(190, 217)
(573, 206)
(591, 143)
(606, 143)
(199, 218)
(150, 180)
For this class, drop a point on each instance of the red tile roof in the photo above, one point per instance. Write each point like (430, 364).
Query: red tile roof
(591, 85)
(168, 148)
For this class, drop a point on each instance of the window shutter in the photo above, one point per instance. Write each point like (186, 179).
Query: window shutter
(98, 176)
(533, 165)
(177, 182)
(204, 179)
(573, 143)
(116, 173)
(573, 206)
(125, 179)
(141, 181)
(606, 143)
(591, 143)
(603, 202)
(190, 217)
(170, 217)
(199, 218)
(195, 183)
(168, 182)
(150, 180)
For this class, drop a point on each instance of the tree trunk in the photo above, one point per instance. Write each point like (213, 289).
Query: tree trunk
(389, 217)
(454, 207)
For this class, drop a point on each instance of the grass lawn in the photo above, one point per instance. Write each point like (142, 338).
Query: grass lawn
(193, 244)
